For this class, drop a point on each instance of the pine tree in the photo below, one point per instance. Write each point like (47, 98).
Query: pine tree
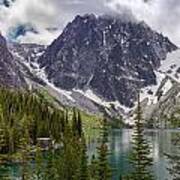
(3, 142)
(79, 124)
(74, 122)
(69, 158)
(39, 172)
(51, 169)
(140, 157)
(66, 116)
(84, 160)
(4, 170)
(34, 131)
(93, 173)
(63, 122)
(103, 167)
(25, 151)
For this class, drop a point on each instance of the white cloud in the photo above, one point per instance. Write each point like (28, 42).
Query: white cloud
(45, 37)
(40, 14)
(161, 15)
(43, 15)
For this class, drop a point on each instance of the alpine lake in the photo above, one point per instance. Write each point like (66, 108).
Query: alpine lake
(120, 145)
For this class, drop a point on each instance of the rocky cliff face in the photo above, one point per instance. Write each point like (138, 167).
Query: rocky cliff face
(164, 100)
(97, 64)
(25, 56)
(10, 74)
(106, 55)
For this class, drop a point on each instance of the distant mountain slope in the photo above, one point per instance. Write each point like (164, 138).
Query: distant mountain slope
(107, 56)
(10, 75)
(163, 100)
(26, 55)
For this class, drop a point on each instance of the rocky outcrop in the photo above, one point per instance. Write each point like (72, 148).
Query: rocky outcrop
(10, 74)
(110, 56)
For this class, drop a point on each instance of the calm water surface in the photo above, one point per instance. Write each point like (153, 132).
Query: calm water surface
(120, 147)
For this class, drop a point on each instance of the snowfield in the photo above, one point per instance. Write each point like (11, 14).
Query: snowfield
(167, 72)
(92, 96)
(171, 65)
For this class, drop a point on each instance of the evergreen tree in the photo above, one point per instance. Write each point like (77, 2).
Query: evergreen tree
(34, 130)
(4, 170)
(103, 167)
(140, 157)
(69, 158)
(3, 143)
(93, 173)
(39, 169)
(79, 124)
(66, 116)
(63, 122)
(74, 122)
(25, 154)
(84, 161)
(51, 169)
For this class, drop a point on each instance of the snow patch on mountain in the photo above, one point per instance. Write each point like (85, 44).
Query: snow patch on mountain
(168, 71)
(168, 85)
(150, 92)
(42, 75)
(171, 65)
(92, 96)
(35, 69)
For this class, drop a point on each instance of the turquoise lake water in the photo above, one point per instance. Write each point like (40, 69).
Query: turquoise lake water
(120, 147)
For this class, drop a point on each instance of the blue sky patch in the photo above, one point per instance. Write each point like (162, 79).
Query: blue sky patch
(20, 30)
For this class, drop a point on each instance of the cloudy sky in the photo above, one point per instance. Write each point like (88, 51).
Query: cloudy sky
(40, 21)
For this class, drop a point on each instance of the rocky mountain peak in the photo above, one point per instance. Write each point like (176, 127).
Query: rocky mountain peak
(110, 56)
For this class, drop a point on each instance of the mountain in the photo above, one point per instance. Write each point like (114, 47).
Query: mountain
(106, 57)
(97, 64)
(25, 56)
(164, 100)
(10, 75)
